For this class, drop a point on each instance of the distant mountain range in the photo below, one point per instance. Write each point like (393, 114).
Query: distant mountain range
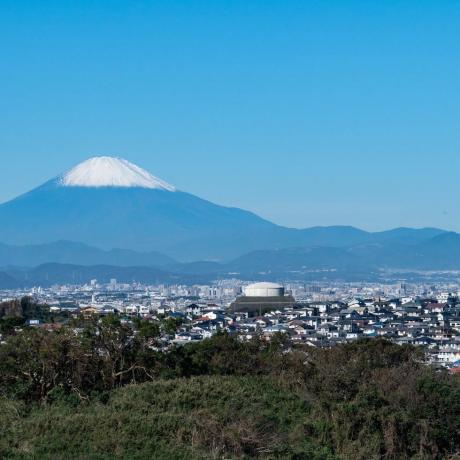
(49, 274)
(110, 203)
(67, 252)
(79, 217)
(441, 252)
(354, 262)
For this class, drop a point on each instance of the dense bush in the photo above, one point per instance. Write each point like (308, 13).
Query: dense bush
(203, 417)
(102, 392)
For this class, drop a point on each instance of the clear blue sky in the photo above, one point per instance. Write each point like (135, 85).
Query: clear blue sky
(306, 112)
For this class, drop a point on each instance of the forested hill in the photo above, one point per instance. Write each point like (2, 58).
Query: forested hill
(95, 391)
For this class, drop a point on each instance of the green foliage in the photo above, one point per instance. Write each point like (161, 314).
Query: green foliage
(219, 398)
(148, 329)
(170, 325)
(111, 321)
(376, 400)
(203, 417)
(24, 307)
(9, 323)
(16, 312)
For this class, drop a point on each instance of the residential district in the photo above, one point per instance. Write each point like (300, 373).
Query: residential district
(315, 314)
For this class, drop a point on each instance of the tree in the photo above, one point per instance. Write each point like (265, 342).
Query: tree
(148, 329)
(170, 325)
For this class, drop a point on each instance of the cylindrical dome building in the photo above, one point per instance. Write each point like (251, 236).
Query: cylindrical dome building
(264, 290)
(260, 298)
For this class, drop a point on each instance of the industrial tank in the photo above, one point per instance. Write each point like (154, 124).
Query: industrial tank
(264, 290)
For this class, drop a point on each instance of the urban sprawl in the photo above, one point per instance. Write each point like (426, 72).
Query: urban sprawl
(316, 314)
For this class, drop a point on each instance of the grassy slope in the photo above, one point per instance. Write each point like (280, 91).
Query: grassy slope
(205, 417)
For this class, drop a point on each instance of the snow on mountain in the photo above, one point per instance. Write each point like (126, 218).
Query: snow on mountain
(111, 172)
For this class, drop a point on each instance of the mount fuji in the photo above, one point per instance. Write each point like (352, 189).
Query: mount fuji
(111, 203)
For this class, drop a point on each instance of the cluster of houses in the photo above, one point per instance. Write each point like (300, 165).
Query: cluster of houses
(430, 322)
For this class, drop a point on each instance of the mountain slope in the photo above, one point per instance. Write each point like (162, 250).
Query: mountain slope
(48, 274)
(359, 262)
(67, 252)
(111, 203)
(133, 218)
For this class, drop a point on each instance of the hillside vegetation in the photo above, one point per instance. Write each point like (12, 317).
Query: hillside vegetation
(202, 417)
(97, 392)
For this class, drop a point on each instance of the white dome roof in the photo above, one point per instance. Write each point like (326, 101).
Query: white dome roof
(264, 289)
(264, 285)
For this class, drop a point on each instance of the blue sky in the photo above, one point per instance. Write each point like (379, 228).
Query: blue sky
(306, 112)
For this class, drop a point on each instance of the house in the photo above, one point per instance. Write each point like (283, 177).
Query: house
(321, 307)
(202, 331)
(448, 355)
(89, 311)
(33, 322)
(186, 337)
(132, 310)
(276, 328)
(194, 309)
(262, 322)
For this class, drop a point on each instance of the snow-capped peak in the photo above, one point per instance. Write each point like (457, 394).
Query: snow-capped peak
(111, 172)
